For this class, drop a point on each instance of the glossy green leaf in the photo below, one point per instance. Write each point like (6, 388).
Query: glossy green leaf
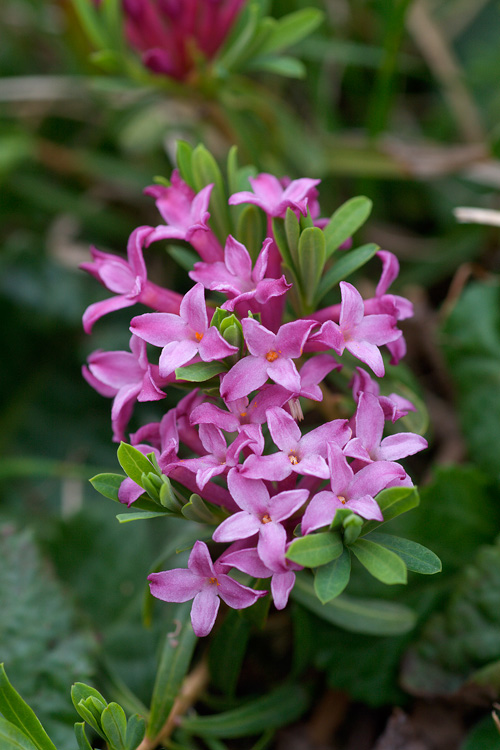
(279, 708)
(312, 256)
(251, 230)
(114, 724)
(206, 172)
(315, 549)
(383, 564)
(290, 29)
(369, 616)
(174, 664)
(11, 738)
(346, 220)
(81, 692)
(393, 502)
(344, 267)
(280, 237)
(200, 371)
(292, 234)
(331, 579)
(282, 65)
(17, 712)
(108, 485)
(133, 462)
(416, 557)
(227, 651)
(81, 737)
(136, 729)
(184, 157)
(240, 40)
(143, 515)
(198, 510)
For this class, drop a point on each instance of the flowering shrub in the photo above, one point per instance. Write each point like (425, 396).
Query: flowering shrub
(256, 351)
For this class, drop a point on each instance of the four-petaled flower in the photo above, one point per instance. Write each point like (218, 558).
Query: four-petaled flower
(205, 582)
(270, 195)
(183, 336)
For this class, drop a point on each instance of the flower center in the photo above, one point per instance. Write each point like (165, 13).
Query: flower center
(342, 499)
(266, 518)
(198, 336)
(272, 355)
(293, 458)
(214, 581)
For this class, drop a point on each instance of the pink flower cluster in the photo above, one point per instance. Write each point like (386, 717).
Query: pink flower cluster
(171, 34)
(271, 475)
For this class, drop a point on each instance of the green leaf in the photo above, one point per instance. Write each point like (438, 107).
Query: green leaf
(292, 234)
(17, 712)
(461, 642)
(282, 242)
(251, 230)
(81, 692)
(108, 485)
(11, 738)
(416, 557)
(227, 651)
(370, 616)
(312, 256)
(471, 339)
(279, 708)
(136, 729)
(198, 510)
(174, 664)
(114, 724)
(133, 462)
(315, 549)
(91, 22)
(144, 515)
(344, 267)
(238, 45)
(393, 502)
(184, 256)
(200, 371)
(291, 29)
(330, 580)
(484, 736)
(383, 564)
(346, 221)
(283, 66)
(206, 172)
(81, 737)
(183, 158)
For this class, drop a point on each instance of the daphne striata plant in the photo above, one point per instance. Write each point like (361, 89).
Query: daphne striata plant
(256, 351)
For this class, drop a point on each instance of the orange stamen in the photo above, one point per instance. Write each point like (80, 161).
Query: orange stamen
(293, 459)
(272, 355)
(198, 336)
(266, 518)
(342, 499)
(214, 580)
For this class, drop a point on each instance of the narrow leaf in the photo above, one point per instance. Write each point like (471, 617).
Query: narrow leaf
(142, 515)
(315, 549)
(312, 256)
(251, 230)
(331, 579)
(227, 651)
(200, 371)
(11, 738)
(81, 737)
(184, 256)
(173, 667)
(17, 712)
(108, 485)
(183, 158)
(291, 29)
(383, 564)
(344, 267)
(345, 221)
(393, 502)
(282, 65)
(416, 557)
(114, 724)
(279, 708)
(133, 462)
(369, 616)
(136, 728)
(206, 172)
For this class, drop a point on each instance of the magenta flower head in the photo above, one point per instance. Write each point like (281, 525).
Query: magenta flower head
(273, 198)
(271, 356)
(170, 34)
(183, 336)
(128, 280)
(206, 583)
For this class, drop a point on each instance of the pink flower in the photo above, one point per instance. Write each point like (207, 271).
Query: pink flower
(170, 34)
(207, 584)
(393, 406)
(236, 278)
(260, 514)
(360, 334)
(186, 216)
(183, 336)
(270, 195)
(128, 280)
(270, 357)
(127, 377)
